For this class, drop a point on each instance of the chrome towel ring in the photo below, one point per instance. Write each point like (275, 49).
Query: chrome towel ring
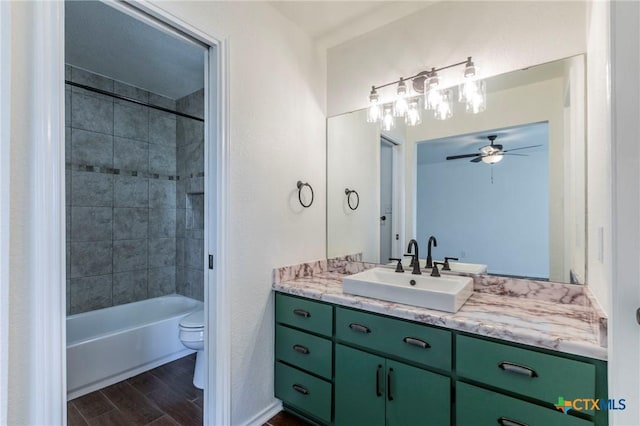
(357, 199)
(301, 185)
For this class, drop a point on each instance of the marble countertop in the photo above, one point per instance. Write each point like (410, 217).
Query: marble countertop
(533, 317)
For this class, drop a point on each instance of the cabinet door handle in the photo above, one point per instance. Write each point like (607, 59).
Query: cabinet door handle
(378, 390)
(416, 342)
(303, 350)
(301, 389)
(503, 421)
(359, 328)
(389, 377)
(301, 313)
(517, 369)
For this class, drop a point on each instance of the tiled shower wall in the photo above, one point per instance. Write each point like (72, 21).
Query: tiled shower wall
(190, 191)
(121, 199)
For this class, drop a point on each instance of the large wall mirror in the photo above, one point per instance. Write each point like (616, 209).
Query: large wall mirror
(523, 216)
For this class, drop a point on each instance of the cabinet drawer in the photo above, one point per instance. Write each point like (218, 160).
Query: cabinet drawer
(304, 350)
(304, 392)
(305, 314)
(534, 374)
(418, 343)
(476, 406)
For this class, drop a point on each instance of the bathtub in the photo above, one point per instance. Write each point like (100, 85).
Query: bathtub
(112, 344)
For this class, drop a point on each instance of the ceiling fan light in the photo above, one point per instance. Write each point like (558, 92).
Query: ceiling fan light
(493, 158)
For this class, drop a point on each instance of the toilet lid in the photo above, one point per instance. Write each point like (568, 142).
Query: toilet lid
(193, 320)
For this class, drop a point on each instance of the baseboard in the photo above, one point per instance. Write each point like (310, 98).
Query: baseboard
(263, 416)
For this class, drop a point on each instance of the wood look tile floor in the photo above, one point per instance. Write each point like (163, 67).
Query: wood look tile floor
(164, 396)
(159, 397)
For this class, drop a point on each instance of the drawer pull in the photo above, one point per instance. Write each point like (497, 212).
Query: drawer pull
(301, 389)
(301, 349)
(503, 421)
(301, 313)
(517, 369)
(416, 342)
(378, 390)
(359, 328)
(389, 377)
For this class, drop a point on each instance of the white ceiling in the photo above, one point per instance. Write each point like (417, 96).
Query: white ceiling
(106, 41)
(331, 22)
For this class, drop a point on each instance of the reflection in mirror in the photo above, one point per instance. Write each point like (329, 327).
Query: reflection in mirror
(521, 215)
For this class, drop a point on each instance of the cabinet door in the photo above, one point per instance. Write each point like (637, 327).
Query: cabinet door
(416, 397)
(359, 384)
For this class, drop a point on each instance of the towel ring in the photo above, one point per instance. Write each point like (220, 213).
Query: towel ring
(349, 192)
(300, 185)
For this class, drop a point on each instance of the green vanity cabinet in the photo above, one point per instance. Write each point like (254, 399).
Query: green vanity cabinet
(346, 367)
(304, 356)
(372, 390)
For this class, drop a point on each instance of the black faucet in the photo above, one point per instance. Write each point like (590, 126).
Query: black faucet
(415, 262)
(432, 239)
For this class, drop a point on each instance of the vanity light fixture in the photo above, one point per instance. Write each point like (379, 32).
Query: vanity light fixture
(472, 92)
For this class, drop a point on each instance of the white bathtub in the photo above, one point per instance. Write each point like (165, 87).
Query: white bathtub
(112, 344)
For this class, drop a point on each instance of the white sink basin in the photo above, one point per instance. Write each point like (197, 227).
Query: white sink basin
(465, 268)
(445, 293)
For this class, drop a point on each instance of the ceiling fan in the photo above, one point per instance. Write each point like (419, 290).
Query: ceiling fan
(490, 154)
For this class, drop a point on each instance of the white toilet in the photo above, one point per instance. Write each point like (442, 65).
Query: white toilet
(192, 336)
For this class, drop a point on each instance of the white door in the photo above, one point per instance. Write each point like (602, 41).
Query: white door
(386, 199)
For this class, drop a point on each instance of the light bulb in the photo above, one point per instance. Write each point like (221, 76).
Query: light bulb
(388, 121)
(443, 108)
(413, 117)
(374, 113)
(493, 158)
(472, 92)
(400, 106)
(432, 96)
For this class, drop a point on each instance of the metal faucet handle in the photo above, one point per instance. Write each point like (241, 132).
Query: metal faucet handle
(413, 258)
(399, 267)
(435, 272)
(446, 266)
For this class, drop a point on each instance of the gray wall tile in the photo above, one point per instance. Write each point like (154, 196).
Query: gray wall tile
(180, 222)
(91, 223)
(131, 122)
(194, 253)
(91, 113)
(131, 191)
(180, 251)
(67, 188)
(196, 185)
(130, 255)
(162, 159)
(182, 285)
(130, 154)
(91, 148)
(195, 211)
(162, 194)
(90, 293)
(91, 259)
(181, 193)
(192, 104)
(162, 128)
(91, 189)
(162, 223)
(162, 281)
(196, 283)
(129, 286)
(68, 296)
(67, 107)
(194, 158)
(162, 252)
(67, 144)
(92, 80)
(162, 101)
(130, 223)
(130, 92)
(194, 234)
(189, 131)
(67, 72)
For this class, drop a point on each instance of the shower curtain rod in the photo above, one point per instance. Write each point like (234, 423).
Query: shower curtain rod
(135, 101)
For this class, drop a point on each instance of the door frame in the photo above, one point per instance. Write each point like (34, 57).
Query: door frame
(398, 216)
(48, 397)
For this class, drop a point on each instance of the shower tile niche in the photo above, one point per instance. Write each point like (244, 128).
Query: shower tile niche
(134, 195)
